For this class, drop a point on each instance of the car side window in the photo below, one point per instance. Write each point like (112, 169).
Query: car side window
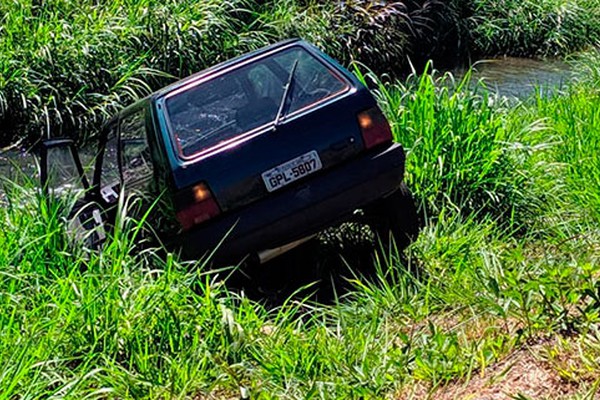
(110, 177)
(136, 163)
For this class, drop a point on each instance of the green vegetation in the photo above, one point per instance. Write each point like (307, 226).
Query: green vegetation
(508, 258)
(66, 67)
(527, 27)
(508, 264)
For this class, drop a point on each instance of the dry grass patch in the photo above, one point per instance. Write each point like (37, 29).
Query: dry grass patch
(556, 368)
(575, 359)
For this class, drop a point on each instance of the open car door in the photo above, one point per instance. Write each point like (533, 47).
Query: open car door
(63, 180)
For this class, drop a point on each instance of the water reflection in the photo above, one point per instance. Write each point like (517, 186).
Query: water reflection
(18, 165)
(520, 77)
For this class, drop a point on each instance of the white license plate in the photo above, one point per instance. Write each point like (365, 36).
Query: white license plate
(292, 170)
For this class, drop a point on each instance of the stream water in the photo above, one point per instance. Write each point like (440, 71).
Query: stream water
(520, 77)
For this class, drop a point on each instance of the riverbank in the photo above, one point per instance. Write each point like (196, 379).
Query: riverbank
(505, 300)
(66, 67)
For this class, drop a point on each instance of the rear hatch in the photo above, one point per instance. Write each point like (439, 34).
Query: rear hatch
(261, 127)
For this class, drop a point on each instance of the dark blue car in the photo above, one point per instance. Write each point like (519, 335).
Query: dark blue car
(252, 156)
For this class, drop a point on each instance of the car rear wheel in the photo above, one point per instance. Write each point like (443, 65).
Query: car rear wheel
(394, 219)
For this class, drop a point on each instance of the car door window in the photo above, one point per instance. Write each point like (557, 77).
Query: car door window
(62, 174)
(136, 164)
(110, 177)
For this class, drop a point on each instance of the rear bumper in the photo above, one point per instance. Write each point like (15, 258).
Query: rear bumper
(300, 210)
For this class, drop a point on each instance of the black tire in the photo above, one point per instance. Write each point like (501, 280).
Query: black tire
(394, 217)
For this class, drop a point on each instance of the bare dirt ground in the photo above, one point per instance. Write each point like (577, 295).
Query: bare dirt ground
(523, 375)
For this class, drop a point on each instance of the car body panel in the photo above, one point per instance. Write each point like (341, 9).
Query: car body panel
(238, 186)
(142, 152)
(326, 128)
(301, 210)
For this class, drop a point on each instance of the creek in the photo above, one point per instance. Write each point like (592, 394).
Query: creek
(520, 78)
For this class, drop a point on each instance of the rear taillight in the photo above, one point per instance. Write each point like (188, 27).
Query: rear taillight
(374, 127)
(195, 205)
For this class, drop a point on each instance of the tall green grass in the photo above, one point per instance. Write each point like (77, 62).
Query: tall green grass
(127, 325)
(66, 67)
(508, 258)
(472, 151)
(465, 152)
(528, 27)
(573, 120)
(120, 324)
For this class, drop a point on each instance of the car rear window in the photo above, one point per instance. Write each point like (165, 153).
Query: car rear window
(218, 111)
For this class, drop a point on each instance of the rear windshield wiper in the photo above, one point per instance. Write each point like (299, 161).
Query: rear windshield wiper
(286, 93)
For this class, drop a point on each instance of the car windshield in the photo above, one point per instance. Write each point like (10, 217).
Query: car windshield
(218, 111)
